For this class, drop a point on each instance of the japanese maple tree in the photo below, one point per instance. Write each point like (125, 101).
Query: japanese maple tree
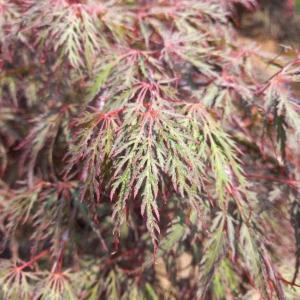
(133, 133)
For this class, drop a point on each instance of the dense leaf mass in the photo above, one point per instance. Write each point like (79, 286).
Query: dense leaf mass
(144, 155)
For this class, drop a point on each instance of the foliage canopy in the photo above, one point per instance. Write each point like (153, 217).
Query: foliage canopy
(135, 133)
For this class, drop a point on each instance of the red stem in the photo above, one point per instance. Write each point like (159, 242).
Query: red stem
(34, 259)
(288, 282)
(290, 182)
